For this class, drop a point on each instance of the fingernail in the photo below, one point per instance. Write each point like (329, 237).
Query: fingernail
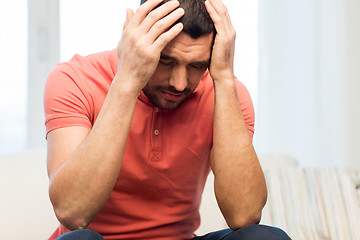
(180, 11)
(179, 26)
(175, 2)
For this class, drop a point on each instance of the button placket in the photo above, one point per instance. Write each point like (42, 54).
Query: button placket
(156, 147)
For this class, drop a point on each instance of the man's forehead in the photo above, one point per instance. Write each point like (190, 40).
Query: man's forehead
(185, 44)
(185, 38)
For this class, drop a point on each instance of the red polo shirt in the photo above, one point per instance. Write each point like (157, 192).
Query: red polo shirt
(166, 161)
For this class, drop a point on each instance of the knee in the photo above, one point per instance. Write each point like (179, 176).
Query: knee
(81, 234)
(258, 232)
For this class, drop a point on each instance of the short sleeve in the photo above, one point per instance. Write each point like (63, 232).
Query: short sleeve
(65, 102)
(247, 107)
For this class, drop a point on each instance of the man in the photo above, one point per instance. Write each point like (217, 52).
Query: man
(132, 133)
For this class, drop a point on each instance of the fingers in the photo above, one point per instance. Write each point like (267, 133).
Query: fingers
(129, 15)
(169, 35)
(213, 14)
(218, 6)
(162, 25)
(155, 15)
(217, 11)
(220, 16)
(149, 24)
(156, 28)
(224, 46)
(144, 10)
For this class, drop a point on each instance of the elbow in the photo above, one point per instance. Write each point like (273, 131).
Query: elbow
(68, 214)
(246, 215)
(71, 221)
(242, 220)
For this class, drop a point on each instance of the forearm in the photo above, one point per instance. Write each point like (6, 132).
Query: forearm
(239, 182)
(83, 184)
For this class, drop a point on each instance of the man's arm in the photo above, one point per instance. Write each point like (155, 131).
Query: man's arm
(83, 165)
(240, 187)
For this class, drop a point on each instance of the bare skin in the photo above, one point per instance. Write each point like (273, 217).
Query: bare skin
(79, 185)
(158, 58)
(240, 186)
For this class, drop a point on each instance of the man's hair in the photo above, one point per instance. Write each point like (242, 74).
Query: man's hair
(196, 20)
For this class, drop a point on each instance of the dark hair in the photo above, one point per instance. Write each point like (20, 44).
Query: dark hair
(196, 20)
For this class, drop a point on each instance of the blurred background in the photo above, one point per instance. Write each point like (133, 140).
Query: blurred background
(300, 61)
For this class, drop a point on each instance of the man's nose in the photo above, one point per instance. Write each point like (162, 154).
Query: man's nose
(178, 78)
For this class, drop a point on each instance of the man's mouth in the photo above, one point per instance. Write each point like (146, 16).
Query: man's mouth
(174, 97)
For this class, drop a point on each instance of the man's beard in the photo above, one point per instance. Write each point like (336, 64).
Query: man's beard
(155, 97)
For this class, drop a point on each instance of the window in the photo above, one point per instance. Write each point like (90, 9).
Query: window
(13, 81)
(91, 26)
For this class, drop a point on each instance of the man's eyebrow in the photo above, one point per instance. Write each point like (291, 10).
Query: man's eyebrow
(166, 57)
(202, 63)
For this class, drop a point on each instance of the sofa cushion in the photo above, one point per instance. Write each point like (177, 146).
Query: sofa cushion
(314, 203)
(25, 205)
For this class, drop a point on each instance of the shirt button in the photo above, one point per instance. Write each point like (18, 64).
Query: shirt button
(157, 110)
(156, 132)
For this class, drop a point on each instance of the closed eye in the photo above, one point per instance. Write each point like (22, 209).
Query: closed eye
(199, 65)
(166, 62)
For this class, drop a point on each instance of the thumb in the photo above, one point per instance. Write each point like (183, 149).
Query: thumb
(129, 15)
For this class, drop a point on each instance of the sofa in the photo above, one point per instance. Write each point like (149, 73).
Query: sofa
(306, 203)
(314, 203)
(25, 206)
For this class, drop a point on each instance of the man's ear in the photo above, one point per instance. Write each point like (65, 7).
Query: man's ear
(129, 15)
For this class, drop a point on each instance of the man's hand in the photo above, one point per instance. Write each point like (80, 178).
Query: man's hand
(222, 58)
(145, 35)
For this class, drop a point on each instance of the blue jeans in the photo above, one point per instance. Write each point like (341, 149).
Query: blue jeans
(253, 232)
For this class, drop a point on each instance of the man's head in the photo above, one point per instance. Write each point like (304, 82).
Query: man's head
(196, 20)
(184, 60)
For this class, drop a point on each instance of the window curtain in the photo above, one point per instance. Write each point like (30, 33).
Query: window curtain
(309, 81)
